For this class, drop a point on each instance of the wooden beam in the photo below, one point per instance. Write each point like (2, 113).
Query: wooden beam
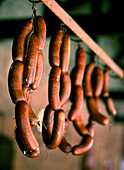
(63, 15)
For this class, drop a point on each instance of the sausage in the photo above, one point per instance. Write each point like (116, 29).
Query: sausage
(58, 129)
(105, 92)
(32, 117)
(54, 48)
(24, 126)
(31, 61)
(19, 42)
(64, 145)
(65, 53)
(40, 31)
(23, 148)
(47, 125)
(110, 106)
(77, 75)
(94, 113)
(97, 81)
(84, 147)
(90, 128)
(77, 98)
(65, 88)
(15, 81)
(87, 79)
(79, 126)
(53, 89)
(39, 71)
(80, 57)
(98, 103)
(27, 91)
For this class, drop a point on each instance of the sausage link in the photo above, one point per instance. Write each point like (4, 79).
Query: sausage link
(58, 129)
(15, 81)
(24, 126)
(77, 98)
(54, 49)
(64, 145)
(105, 92)
(31, 61)
(53, 89)
(65, 53)
(84, 147)
(79, 126)
(39, 71)
(23, 148)
(47, 126)
(87, 79)
(110, 106)
(40, 31)
(94, 113)
(97, 81)
(65, 88)
(98, 103)
(32, 117)
(27, 91)
(90, 128)
(77, 75)
(19, 42)
(80, 57)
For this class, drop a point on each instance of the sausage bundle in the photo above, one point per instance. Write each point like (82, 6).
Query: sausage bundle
(24, 76)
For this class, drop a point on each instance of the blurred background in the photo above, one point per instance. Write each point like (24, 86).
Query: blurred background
(103, 20)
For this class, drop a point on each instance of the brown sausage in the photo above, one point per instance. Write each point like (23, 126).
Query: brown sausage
(65, 53)
(79, 126)
(58, 129)
(32, 117)
(19, 42)
(47, 125)
(77, 75)
(97, 81)
(53, 89)
(39, 71)
(98, 103)
(15, 81)
(90, 128)
(77, 98)
(65, 88)
(23, 148)
(64, 145)
(94, 113)
(31, 61)
(54, 49)
(84, 147)
(87, 79)
(80, 57)
(24, 126)
(105, 92)
(27, 91)
(40, 31)
(110, 106)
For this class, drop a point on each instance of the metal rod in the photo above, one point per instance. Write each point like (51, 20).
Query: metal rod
(63, 15)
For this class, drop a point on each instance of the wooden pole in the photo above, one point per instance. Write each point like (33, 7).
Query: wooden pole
(63, 15)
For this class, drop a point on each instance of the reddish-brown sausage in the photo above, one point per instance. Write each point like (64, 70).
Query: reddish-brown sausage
(77, 98)
(65, 53)
(79, 125)
(24, 126)
(58, 129)
(84, 147)
(90, 128)
(64, 145)
(97, 81)
(80, 57)
(105, 91)
(98, 103)
(65, 88)
(110, 106)
(40, 31)
(19, 42)
(54, 49)
(54, 86)
(31, 61)
(87, 79)
(94, 113)
(15, 81)
(39, 71)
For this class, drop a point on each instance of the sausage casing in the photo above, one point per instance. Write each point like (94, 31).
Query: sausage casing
(15, 81)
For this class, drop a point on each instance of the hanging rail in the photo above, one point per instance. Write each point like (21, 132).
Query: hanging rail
(63, 15)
